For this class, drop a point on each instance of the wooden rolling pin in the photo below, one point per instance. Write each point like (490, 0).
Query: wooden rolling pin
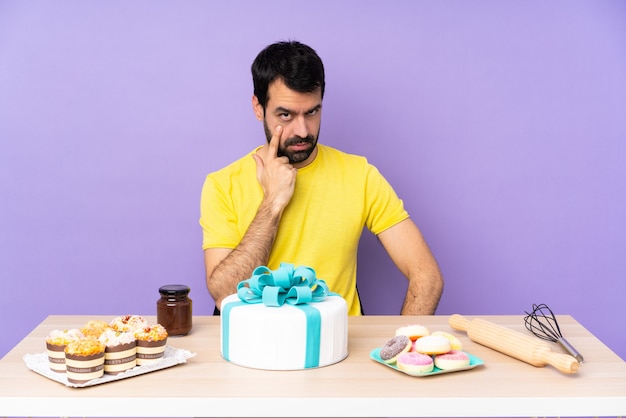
(512, 343)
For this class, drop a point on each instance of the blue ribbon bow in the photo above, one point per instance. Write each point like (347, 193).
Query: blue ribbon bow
(284, 285)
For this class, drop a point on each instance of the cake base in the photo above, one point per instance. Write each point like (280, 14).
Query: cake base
(289, 337)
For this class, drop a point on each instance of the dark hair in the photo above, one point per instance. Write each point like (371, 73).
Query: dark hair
(298, 65)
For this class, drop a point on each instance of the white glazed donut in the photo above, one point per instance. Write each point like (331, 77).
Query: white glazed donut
(455, 344)
(415, 363)
(432, 344)
(455, 359)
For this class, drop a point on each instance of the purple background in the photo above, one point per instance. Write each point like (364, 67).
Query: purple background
(500, 124)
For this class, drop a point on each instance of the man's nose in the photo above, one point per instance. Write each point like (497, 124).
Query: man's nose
(300, 127)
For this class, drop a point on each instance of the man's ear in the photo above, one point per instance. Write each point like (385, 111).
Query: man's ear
(257, 108)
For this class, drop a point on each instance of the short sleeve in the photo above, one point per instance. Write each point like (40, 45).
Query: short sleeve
(217, 216)
(383, 206)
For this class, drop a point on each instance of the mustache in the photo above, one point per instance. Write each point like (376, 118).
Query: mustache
(299, 140)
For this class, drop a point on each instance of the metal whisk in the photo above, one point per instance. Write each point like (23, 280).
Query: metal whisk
(543, 324)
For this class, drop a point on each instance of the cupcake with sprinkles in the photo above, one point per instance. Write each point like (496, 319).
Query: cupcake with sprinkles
(120, 352)
(150, 343)
(56, 342)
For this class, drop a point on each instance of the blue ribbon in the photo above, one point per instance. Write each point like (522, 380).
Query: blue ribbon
(285, 285)
(276, 287)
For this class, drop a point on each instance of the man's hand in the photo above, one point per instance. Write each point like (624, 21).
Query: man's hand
(276, 176)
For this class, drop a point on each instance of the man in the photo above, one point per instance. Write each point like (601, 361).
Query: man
(296, 201)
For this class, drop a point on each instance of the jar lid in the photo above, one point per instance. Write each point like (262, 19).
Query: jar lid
(174, 289)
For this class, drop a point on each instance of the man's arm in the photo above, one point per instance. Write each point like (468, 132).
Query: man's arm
(407, 248)
(225, 268)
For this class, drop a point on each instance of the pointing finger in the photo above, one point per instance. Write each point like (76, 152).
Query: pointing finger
(275, 141)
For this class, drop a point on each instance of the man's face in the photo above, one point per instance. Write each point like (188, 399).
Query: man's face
(300, 116)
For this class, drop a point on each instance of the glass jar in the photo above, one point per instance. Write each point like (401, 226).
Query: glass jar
(174, 309)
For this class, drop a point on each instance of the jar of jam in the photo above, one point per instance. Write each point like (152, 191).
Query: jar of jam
(174, 309)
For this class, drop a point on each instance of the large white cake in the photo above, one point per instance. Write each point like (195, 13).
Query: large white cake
(287, 337)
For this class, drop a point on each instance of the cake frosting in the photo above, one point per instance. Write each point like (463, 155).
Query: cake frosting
(284, 319)
(94, 328)
(128, 323)
(64, 337)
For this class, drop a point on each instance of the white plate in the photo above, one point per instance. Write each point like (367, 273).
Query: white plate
(171, 357)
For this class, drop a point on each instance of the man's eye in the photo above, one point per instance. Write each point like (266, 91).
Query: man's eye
(284, 116)
(312, 112)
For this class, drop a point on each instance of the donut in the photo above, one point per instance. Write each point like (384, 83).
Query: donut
(415, 363)
(414, 331)
(455, 344)
(394, 347)
(432, 344)
(454, 359)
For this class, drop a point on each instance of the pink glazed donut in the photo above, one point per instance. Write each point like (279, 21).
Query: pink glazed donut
(455, 359)
(415, 363)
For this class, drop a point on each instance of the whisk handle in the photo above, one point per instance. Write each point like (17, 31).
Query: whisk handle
(570, 349)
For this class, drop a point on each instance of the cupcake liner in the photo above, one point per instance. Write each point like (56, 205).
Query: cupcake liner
(150, 351)
(81, 369)
(119, 358)
(56, 357)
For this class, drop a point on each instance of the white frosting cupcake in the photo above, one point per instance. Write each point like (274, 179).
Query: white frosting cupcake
(128, 323)
(121, 351)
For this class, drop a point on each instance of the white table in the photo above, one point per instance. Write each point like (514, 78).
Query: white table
(209, 386)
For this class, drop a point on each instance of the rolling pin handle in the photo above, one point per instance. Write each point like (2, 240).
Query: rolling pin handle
(562, 362)
(458, 322)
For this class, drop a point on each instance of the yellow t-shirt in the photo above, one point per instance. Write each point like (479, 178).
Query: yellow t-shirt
(335, 197)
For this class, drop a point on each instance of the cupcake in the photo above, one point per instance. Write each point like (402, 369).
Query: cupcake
(120, 353)
(150, 344)
(84, 360)
(56, 342)
(94, 328)
(128, 323)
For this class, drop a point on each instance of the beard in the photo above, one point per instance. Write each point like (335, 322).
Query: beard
(293, 156)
